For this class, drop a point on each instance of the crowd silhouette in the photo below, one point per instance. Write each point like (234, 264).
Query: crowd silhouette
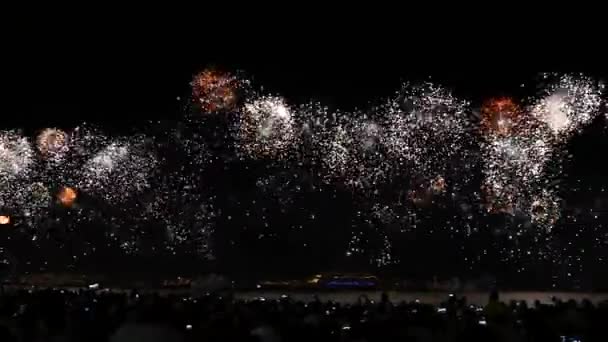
(61, 315)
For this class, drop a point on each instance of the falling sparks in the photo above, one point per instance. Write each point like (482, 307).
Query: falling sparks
(16, 166)
(513, 168)
(513, 155)
(427, 128)
(119, 171)
(39, 194)
(544, 210)
(16, 155)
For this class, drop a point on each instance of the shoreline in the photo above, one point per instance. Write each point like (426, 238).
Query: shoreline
(479, 298)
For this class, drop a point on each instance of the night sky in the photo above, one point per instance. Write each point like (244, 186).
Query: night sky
(123, 84)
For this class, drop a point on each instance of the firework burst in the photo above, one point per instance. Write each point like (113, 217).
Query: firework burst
(267, 128)
(179, 206)
(67, 196)
(518, 145)
(501, 117)
(16, 167)
(405, 165)
(568, 104)
(513, 169)
(16, 155)
(216, 91)
(53, 144)
(427, 128)
(119, 171)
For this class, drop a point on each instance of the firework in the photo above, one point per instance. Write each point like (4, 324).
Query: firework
(568, 104)
(337, 155)
(16, 167)
(214, 90)
(514, 154)
(5, 219)
(35, 202)
(518, 144)
(371, 135)
(416, 135)
(500, 117)
(266, 128)
(52, 143)
(39, 193)
(67, 196)
(16, 155)
(412, 139)
(178, 204)
(427, 128)
(513, 168)
(384, 257)
(399, 161)
(544, 210)
(419, 131)
(373, 241)
(356, 152)
(119, 171)
(438, 184)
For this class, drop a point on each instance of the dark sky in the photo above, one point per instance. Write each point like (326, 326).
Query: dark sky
(63, 72)
(99, 88)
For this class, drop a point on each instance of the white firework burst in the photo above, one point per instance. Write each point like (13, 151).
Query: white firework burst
(119, 171)
(16, 155)
(16, 168)
(266, 128)
(426, 127)
(569, 104)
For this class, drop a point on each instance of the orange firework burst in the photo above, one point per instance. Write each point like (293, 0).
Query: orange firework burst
(215, 90)
(52, 141)
(5, 219)
(67, 196)
(500, 116)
